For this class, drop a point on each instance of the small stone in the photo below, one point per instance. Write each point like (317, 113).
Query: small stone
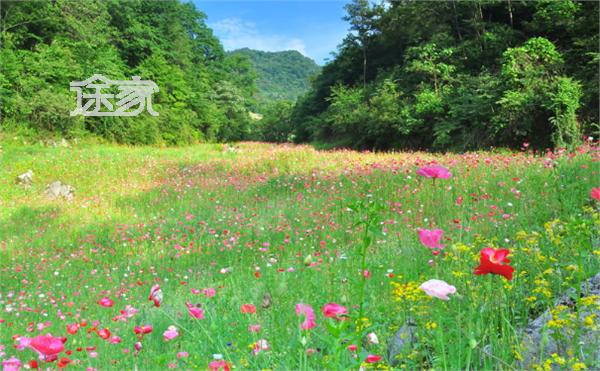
(540, 341)
(57, 189)
(402, 342)
(25, 179)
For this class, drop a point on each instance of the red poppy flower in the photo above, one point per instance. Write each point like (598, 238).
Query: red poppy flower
(595, 193)
(372, 358)
(156, 295)
(493, 261)
(63, 362)
(248, 309)
(106, 302)
(73, 328)
(104, 333)
(142, 330)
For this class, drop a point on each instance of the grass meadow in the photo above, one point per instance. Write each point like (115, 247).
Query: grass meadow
(237, 237)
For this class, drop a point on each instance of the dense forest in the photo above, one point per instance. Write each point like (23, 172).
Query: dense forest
(458, 75)
(441, 75)
(204, 94)
(280, 75)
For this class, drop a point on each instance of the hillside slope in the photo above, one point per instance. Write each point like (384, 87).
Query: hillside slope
(281, 75)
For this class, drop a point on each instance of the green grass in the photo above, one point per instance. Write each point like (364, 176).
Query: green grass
(178, 216)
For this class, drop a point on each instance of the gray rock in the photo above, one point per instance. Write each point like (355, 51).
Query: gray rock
(539, 341)
(54, 143)
(25, 179)
(402, 342)
(57, 189)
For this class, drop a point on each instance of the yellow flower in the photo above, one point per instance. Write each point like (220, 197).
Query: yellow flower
(362, 323)
(558, 360)
(431, 325)
(517, 354)
(409, 291)
(589, 320)
(459, 274)
(589, 300)
(578, 366)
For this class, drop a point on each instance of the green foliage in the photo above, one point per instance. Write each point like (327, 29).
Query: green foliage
(564, 102)
(281, 75)
(48, 44)
(471, 75)
(536, 92)
(276, 124)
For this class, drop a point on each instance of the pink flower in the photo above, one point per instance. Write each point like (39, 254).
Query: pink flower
(106, 302)
(156, 295)
(219, 365)
(209, 292)
(126, 313)
(260, 346)
(11, 364)
(595, 193)
(438, 289)
(114, 340)
(195, 311)
(24, 342)
(372, 358)
(309, 316)
(431, 238)
(254, 328)
(333, 310)
(171, 333)
(182, 354)
(47, 345)
(434, 171)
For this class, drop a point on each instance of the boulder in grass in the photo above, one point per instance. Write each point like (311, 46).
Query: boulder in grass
(25, 179)
(59, 190)
(403, 340)
(540, 341)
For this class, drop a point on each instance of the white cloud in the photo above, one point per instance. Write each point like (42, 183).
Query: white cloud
(236, 33)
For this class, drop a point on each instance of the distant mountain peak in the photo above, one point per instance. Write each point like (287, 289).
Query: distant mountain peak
(282, 75)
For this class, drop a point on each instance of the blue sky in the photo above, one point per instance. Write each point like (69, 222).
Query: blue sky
(314, 28)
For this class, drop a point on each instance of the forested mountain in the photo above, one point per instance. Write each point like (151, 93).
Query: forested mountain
(204, 93)
(457, 75)
(281, 75)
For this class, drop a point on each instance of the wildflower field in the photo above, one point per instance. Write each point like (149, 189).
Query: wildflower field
(283, 257)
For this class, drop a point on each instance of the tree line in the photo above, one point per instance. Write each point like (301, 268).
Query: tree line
(441, 75)
(456, 75)
(205, 94)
